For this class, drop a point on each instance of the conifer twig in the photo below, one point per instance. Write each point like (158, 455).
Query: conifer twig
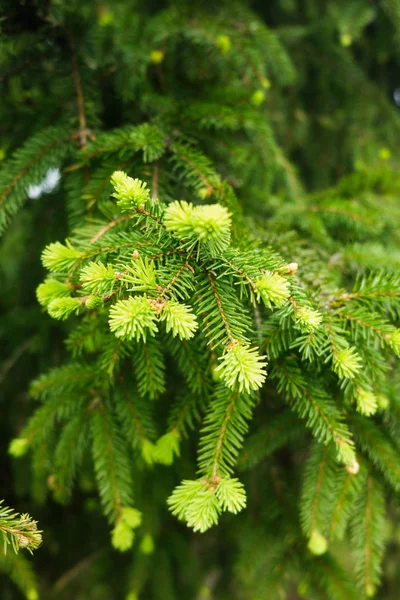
(220, 308)
(154, 182)
(33, 161)
(79, 94)
(109, 226)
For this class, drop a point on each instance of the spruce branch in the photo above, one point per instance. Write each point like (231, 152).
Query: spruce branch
(196, 249)
(18, 530)
(29, 164)
(367, 536)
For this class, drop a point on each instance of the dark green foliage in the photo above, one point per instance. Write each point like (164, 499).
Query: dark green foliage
(221, 297)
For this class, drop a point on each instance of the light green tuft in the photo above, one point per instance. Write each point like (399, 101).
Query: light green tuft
(130, 193)
(318, 544)
(51, 289)
(367, 402)
(59, 258)
(166, 448)
(241, 365)
(209, 224)
(133, 318)
(308, 319)
(179, 319)
(18, 447)
(62, 308)
(272, 289)
(347, 363)
(97, 278)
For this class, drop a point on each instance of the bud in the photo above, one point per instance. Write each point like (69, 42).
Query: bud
(122, 536)
(354, 468)
(156, 57)
(148, 452)
(370, 589)
(179, 319)
(347, 363)
(60, 258)
(93, 302)
(135, 255)
(97, 278)
(243, 366)
(62, 308)
(133, 318)
(303, 589)
(292, 268)
(266, 84)
(231, 494)
(209, 224)
(317, 544)
(131, 516)
(367, 403)
(147, 545)
(36, 539)
(346, 40)
(105, 16)
(215, 374)
(273, 289)
(224, 44)
(205, 192)
(258, 98)
(18, 447)
(383, 402)
(23, 541)
(394, 341)
(166, 448)
(308, 319)
(384, 154)
(130, 193)
(51, 289)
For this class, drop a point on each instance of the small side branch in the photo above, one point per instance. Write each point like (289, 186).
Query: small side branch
(79, 95)
(174, 280)
(220, 308)
(221, 438)
(154, 183)
(109, 226)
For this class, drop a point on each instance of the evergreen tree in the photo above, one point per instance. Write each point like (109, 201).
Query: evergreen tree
(202, 397)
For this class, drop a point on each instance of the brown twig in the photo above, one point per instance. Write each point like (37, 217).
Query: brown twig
(10, 362)
(220, 308)
(221, 437)
(154, 183)
(79, 95)
(173, 280)
(110, 225)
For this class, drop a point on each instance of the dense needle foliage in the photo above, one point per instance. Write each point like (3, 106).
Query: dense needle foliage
(200, 326)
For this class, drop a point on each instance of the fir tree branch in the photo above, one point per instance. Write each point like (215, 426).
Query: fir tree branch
(221, 439)
(142, 432)
(112, 466)
(220, 308)
(6, 192)
(173, 280)
(19, 530)
(109, 226)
